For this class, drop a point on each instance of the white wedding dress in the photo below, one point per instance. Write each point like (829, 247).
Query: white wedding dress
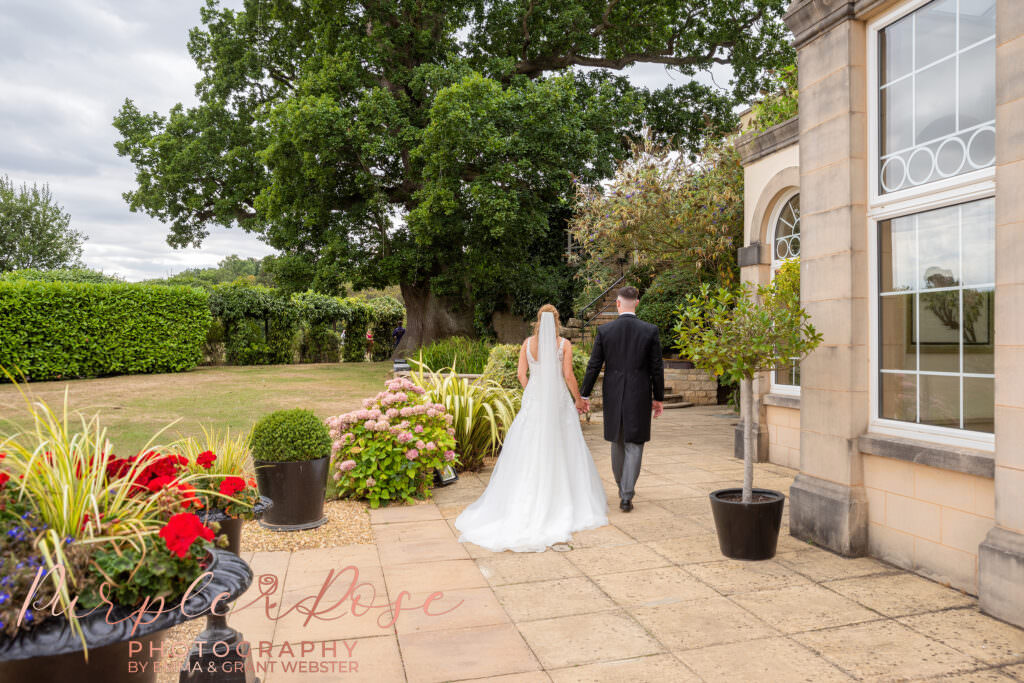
(544, 485)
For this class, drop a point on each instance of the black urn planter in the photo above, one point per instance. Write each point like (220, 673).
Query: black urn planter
(747, 531)
(296, 489)
(53, 652)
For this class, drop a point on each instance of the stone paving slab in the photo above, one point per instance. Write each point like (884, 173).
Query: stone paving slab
(647, 598)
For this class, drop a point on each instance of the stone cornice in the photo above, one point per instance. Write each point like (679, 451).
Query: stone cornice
(754, 146)
(808, 19)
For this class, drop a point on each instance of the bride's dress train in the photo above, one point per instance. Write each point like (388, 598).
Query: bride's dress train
(544, 485)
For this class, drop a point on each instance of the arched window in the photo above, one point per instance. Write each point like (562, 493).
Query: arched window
(786, 246)
(786, 235)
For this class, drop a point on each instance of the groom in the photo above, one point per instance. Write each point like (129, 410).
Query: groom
(633, 388)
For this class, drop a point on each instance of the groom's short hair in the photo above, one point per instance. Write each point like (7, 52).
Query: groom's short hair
(629, 293)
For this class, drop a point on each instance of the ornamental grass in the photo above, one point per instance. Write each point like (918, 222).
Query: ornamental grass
(482, 412)
(75, 517)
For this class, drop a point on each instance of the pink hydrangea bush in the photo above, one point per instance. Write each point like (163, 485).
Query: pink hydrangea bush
(388, 450)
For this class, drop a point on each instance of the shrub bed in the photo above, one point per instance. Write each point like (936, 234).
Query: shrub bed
(482, 412)
(660, 303)
(468, 356)
(59, 330)
(503, 365)
(388, 450)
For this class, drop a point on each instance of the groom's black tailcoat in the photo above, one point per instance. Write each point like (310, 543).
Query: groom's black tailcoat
(634, 375)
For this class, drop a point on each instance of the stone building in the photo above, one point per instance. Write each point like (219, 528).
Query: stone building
(900, 187)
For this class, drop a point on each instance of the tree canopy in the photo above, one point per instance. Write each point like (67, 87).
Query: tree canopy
(35, 232)
(431, 143)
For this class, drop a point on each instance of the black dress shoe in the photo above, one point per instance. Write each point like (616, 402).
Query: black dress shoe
(625, 505)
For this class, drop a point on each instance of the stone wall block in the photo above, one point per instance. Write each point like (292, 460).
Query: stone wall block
(946, 565)
(1009, 132)
(891, 546)
(1009, 75)
(913, 516)
(837, 185)
(964, 531)
(1009, 485)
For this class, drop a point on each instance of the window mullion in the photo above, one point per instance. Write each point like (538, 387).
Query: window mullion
(960, 265)
(917, 318)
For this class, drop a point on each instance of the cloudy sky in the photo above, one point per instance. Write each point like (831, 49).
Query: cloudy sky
(65, 68)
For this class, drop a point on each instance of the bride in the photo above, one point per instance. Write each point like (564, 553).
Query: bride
(544, 485)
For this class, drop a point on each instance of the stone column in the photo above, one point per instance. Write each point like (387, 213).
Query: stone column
(828, 505)
(1001, 554)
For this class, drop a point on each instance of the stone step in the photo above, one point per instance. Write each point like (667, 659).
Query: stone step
(680, 404)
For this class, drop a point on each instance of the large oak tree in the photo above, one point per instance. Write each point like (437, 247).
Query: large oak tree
(432, 144)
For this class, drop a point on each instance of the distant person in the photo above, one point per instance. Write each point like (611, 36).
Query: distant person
(369, 345)
(398, 334)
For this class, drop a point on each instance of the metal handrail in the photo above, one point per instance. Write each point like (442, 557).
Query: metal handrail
(587, 321)
(601, 295)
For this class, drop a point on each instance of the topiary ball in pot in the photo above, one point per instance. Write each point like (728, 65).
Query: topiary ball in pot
(291, 450)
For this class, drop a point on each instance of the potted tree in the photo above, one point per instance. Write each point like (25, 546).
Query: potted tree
(92, 545)
(735, 333)
(291, 450)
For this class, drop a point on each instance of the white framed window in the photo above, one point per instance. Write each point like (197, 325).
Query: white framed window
(931, 71)
(785, 241)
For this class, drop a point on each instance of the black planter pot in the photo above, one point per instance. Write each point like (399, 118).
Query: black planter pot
(747, 531)
(53, 652)
(232, 526)
(297, 491)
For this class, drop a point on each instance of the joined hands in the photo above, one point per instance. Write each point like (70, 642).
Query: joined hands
(582, 405)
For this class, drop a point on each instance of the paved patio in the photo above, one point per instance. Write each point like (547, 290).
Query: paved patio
(648, 598)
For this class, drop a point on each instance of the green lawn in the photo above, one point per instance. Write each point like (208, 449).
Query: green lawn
(135, 407)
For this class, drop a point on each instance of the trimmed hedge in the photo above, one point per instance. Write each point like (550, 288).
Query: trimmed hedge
(358, 318)
(59, 275)
(388, 313)
(60, 330)
(321, 315)
(260, 323)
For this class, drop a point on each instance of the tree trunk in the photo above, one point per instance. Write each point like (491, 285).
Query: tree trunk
(747, 396)
(431, 317)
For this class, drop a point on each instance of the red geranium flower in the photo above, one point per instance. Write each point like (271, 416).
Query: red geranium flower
(206, 459)
(188, 495)
(182, 530)
(157, 483)
(231, 485)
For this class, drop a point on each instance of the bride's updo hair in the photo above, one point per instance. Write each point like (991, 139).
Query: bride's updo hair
(548, 308)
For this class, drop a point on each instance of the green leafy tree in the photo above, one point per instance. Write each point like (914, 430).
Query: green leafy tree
(669, 212)
(429, 144)
(735, 332)
(231, 268)
(35, 232)
(780, 102)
